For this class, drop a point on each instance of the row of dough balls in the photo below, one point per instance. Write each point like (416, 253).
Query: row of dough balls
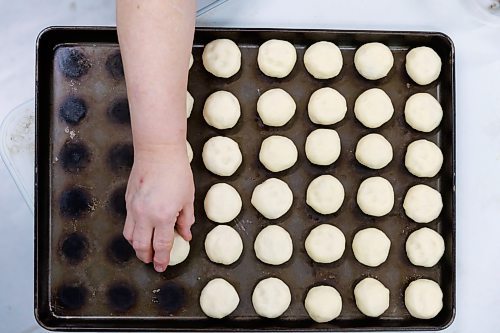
(325, 244)
(271, 298)
(325, 194)
(222, 155)
(323, 60)
(326, 106)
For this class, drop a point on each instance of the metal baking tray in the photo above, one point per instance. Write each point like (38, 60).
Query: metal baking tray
(86, 276)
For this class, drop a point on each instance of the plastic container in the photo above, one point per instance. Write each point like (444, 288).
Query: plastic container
(17, 147)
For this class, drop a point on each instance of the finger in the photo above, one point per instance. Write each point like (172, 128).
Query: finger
(128, 228)
(185, 221)
(142, 241)
(163, 241)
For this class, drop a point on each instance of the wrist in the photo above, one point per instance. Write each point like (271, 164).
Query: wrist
(157, 152)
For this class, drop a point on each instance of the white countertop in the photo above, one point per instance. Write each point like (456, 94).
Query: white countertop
(478, 126)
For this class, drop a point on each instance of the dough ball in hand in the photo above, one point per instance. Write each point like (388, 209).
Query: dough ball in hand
(218, 298)
(372, 297)
(423, 158)
(371, 247)
(278, 153)
(189, 104)
(276, 107)
(373, 108)
(273, 245)
(326, 106)
(223, 245)
(423, 65)
(374, 151)
(180, 250)
(424, 247)
(271, 297)
(423, 299)
(325, 244)
(325, 194)
(222, 58)
(423, 112)
(272, 198)
(222, 110)
(373, 60)
(222, 203)
(323, 146)
(422, 203)
(375, 196)
(323, 303)
(221, 155)
(323, 60)
(276, 58)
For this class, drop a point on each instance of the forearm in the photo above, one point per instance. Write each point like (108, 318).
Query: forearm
(156, 40)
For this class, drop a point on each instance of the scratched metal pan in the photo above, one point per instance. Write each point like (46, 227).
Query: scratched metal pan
(86, 275)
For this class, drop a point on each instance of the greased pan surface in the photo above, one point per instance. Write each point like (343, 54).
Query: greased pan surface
(87, 277)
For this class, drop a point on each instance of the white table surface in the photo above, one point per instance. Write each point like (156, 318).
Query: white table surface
(478, 127)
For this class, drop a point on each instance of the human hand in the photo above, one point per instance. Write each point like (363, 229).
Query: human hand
(159, 197)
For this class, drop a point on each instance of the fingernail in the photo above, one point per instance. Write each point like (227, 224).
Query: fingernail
(159, 269)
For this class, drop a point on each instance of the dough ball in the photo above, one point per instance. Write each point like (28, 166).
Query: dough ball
(276, 107)
(326, 106)
(278, 153)
(189, 151)
(323, 146)
(219, 298)
(323, 303)
(424, 299)
(272, 198)
(325, 194)
(423, 112)
(372, 297)
(422, 203)
(222, 58)
(371, 247)
(424, 247)
(325, 244)
(423, 158)
(221, 155)
(276, 58)
(273, 245)
(180, 250)
(189, 104)
(223, 245)
(221, 110)
(374, 151)
(271, 297)
(191, 61)
(373, 108)
(375, 196)
(423, 65)
(222, 203)
(323, 60)
(373, 60)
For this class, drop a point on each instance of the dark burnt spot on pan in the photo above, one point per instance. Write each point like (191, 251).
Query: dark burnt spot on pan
(74, 156)
(75, 202)
(121, 157)
(117, 202)
(71, 296)
(73, 110)
(120, 251)
(119, 111)
(170, 297)
(74, 248)
(114, 66)
(72, 62)
(121, 297)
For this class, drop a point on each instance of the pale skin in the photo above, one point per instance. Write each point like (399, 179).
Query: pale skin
(155, 40)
